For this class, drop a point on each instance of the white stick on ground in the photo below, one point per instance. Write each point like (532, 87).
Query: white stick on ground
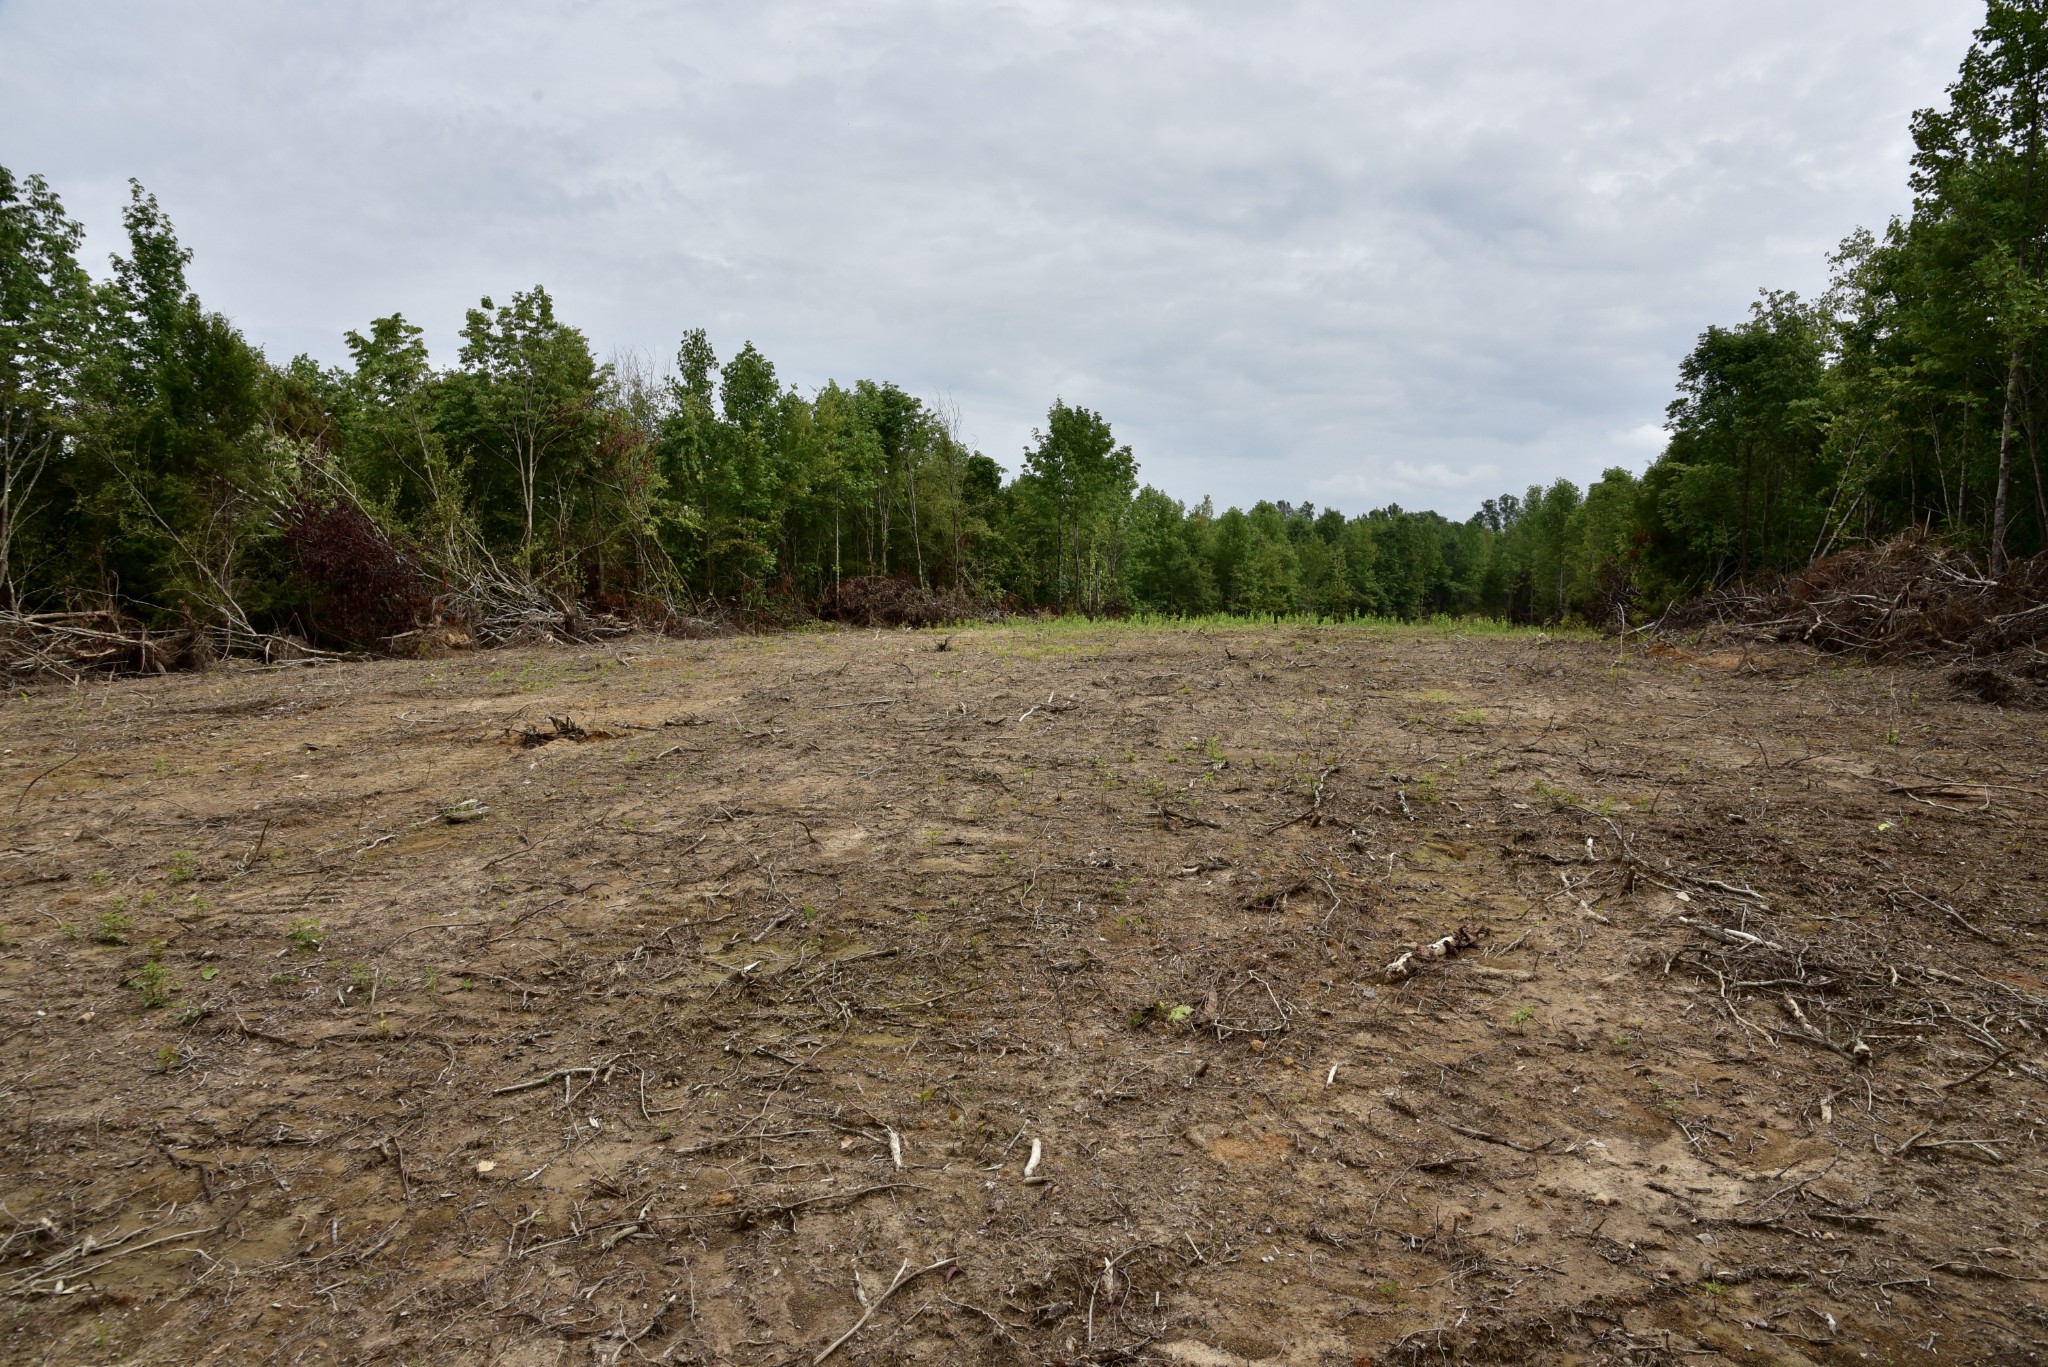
(1031, 1163)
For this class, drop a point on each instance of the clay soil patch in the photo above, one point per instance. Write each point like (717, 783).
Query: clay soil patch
(669, 1001)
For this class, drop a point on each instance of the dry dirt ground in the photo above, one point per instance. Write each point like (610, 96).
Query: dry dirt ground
(345, 1022)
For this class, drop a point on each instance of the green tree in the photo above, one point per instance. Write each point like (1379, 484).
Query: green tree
(1746, 429)
(532, 390)
(175, 484)
(46, 305)
(1977, 187)
(1082, 483)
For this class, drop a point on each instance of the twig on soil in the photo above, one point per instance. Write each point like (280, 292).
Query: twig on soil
(1315, 815)
(432, 925)
(40, 777)
(1470, 1133)
(1002, 1330)
(524, 990)
(1387, 1191)
(902, 1280)
(253, 1033)
(746, 1215)
(545, 1078)
(1733, 937)
(1952, 914)
(29, 1281)
(1996, 1059)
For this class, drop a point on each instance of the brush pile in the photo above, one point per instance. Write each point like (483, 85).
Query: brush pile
(76, 645)
(500, 608)
(1909, 599)
(896, 601)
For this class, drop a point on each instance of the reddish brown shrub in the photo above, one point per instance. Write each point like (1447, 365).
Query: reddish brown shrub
(365, 587)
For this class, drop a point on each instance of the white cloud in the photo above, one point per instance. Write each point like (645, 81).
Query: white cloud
(1646, 440)
(1382, 250)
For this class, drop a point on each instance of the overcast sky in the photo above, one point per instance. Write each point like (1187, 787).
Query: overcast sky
(1349, 253)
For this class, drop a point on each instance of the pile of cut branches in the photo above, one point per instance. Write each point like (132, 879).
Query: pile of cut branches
(77, 645)
(500, 607)
(1911, 598)
(896, 601)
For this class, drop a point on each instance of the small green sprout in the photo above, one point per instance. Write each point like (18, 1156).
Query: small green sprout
(153, 982)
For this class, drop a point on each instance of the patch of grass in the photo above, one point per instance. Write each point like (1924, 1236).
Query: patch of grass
(1521, 1016)
(306, 935)
(112, 927)
(1439, 625)
(184, 866)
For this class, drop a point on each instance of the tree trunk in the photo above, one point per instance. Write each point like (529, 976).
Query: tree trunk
(916, 536)
(2040, 494)
(1998, 504)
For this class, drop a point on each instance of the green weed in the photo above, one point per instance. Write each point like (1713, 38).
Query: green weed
(153, 982)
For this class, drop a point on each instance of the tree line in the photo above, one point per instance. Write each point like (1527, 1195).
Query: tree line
(154, 460)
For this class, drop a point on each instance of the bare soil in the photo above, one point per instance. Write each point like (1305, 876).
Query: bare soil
(370, 1013)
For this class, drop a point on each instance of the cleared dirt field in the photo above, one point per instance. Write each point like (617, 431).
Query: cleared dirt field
(354, 1014)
